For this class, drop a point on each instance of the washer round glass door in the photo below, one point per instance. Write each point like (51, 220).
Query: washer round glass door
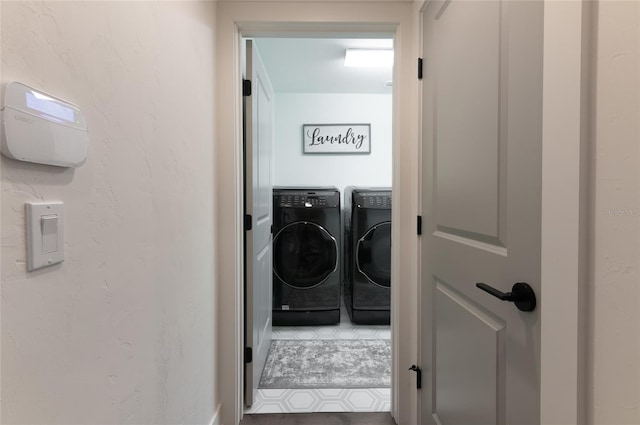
(373, 254)
(305, 254)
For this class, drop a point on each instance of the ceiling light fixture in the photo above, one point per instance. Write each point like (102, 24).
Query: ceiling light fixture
(374, 58)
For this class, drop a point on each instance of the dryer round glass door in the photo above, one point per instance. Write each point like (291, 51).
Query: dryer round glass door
(373, 256)
(305, 254)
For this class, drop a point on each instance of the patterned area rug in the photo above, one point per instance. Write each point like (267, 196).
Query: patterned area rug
(351, 363)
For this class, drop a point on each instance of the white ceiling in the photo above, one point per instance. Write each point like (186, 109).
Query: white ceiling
(314, 65)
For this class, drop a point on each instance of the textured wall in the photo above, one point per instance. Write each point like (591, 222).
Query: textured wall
(124, 330)
(614, 328)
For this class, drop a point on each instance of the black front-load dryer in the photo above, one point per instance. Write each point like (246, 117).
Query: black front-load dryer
(367, 218)
(306, 256)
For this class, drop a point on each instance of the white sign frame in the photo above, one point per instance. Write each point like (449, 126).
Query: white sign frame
(336, 139)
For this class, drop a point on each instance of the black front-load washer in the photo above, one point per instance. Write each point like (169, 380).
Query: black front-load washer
(367, 218)
(306, 256)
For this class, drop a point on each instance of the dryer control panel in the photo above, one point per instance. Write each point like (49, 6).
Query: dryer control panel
(379, 200)
(306, 199)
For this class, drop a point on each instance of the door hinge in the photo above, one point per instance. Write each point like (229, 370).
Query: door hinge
(248, 222)
(273, 229)
(419, 68)
(418, 372)
(248, 354)
(419, 224)
(246, 88)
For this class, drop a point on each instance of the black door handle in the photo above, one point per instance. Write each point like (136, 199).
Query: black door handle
(521, 294)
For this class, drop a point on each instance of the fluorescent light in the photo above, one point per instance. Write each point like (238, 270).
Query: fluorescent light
(379, 58)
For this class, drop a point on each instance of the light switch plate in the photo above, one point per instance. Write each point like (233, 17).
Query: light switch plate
(45, 234)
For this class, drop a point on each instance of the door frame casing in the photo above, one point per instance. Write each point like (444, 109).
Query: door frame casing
(565, 157)
(245, 19)
(565, 144)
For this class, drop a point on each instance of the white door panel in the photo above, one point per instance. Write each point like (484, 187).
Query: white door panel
(468, 118)
(474, 381)
(482, 177)
(258, 200)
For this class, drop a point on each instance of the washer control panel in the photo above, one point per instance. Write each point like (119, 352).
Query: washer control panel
(306, 199)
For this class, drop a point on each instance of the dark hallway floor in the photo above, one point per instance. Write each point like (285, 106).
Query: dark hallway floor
(319, 419)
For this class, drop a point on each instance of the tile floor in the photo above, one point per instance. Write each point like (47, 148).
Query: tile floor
(319, 419)
(322, 400)
(325, 400)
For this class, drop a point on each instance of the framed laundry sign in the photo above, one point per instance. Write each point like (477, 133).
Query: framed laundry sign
(336, 138)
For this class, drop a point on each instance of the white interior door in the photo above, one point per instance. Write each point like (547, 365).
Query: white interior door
(258, 200)
(482, 118)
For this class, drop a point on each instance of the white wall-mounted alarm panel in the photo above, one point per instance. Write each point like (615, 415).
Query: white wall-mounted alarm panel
(37, 127)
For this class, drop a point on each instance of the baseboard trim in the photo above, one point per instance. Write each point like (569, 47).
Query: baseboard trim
(215, 420)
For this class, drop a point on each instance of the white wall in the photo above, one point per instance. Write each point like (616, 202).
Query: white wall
(124, 330)
(614, 304)
(292, 167)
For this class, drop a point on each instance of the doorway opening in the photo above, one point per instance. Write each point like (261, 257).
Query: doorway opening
(330, 341)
